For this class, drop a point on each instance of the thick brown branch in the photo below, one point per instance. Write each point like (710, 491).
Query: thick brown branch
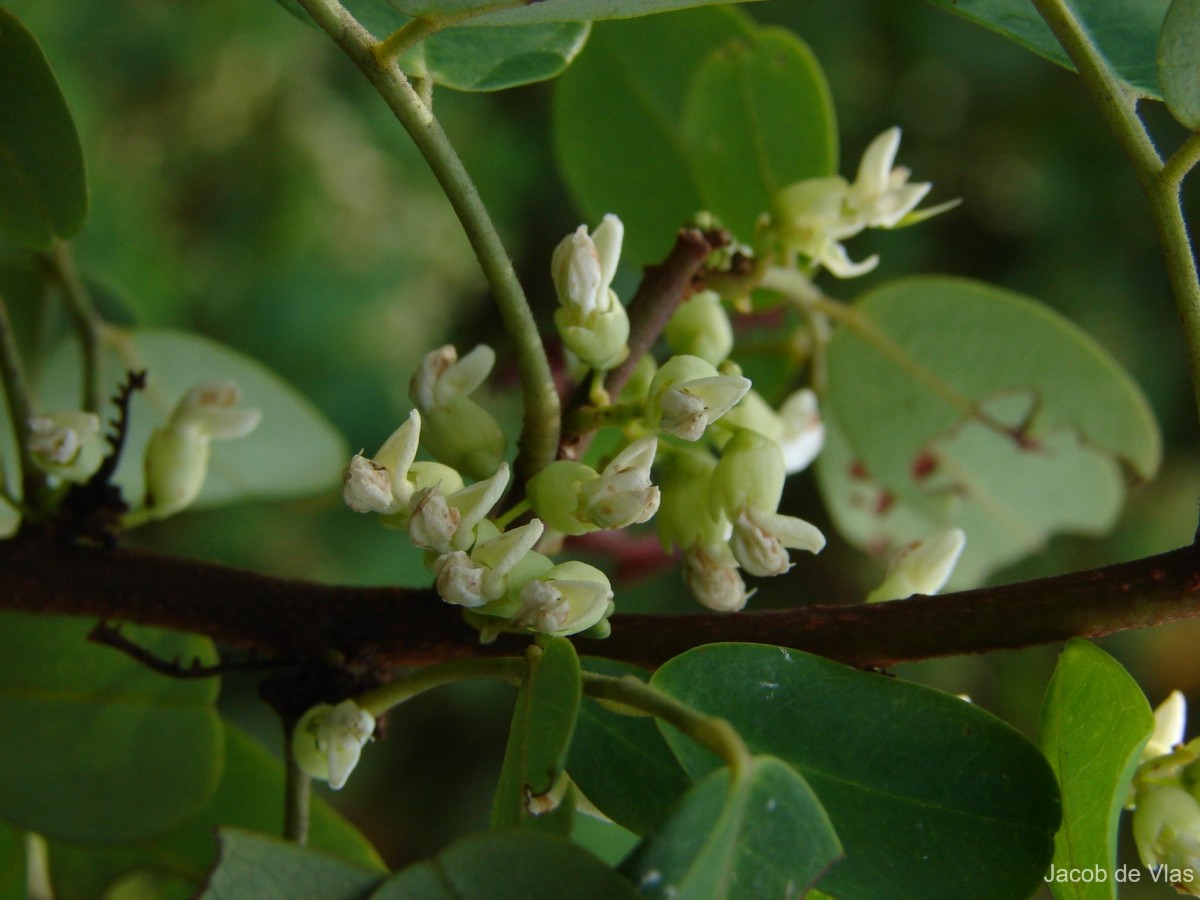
(385, 627)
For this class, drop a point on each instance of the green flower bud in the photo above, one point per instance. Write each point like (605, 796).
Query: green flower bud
(457, 430)
(688, 393)
(67, 444)
(554, 494)
(638, 385)
(685, 516)
(328, 740)
(701, 327)
(749, 475)
(1166, 829)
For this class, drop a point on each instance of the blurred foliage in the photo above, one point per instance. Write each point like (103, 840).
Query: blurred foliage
(247, 183)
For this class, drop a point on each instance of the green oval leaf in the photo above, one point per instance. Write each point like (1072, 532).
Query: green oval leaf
(1095, 721)
(763, 835)
(43, 190)
(101, 748)
(483, 12)
(542, 725)
(492, 59)
(758, 117)
(517, 866)
(612, 98)
(621, 763)
(930, 796)
(1015, 428)
(293, 452)
(267, 868)
(1179, 61)
(1126, 33)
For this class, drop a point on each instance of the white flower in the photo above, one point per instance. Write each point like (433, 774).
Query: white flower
(1166, 829)
(590, 319)
(328, 740)
(457, 430)
(176, 458)
(922, 567)
(444, 522)
(381, 484)
(760, 539)
(711, 574)
(688, 408)
(881, 195)
(622, 494)
(803, 431)
(67, 443)
(471, 580)
(1170, 719)
(569, 598)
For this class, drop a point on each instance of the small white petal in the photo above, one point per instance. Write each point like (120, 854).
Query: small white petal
(1170, 719)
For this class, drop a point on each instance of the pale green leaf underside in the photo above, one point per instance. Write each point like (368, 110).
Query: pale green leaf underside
(293, 452)
(1126, 32)
(969, 406)
(929, 795)
(1095, 721)
(472, 12)
(765, 836)
(514, 866)
(1179, 61)
(267, 868)
(43, 191)
(99, 748)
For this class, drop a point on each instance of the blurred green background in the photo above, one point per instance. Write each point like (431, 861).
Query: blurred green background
(247, 183)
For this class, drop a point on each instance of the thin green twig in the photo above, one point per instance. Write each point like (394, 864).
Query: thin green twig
(1118, 104)
(378, 701)
(20, 410)
(714, 733)
(540, 434)
(60, 261)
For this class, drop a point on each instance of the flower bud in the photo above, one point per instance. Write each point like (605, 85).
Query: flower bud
(700, 327)
(555, 496)
(922, 567)
(591, 320)
(750, 474)
(443, 522)
(381, 484)
(687, 394)
(569, 598)
(328, 740)
(622, 494)
(458, 431)
(67, 444)
(176, 457)
(711, 574)
(685, 516)
(1166, 829)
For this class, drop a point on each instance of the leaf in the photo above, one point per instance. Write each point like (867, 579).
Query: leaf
(492, 59)
(758, 117)
(613, 100)
(1014, 428)
(1095, 721)
(516, 866)
(43, 189)
(1126, 33)
(542, 725)
(295, 451)
(99, 747)
(765, 835)
(527, 13)
(1179, 61)
(266, 868)
(929, 795)
(248, 797)
(621, 763)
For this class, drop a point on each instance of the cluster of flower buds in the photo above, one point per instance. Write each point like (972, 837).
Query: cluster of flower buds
(590, 319)
(1166, 800)
(813, 217)
(69, 445)
(494, 574)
